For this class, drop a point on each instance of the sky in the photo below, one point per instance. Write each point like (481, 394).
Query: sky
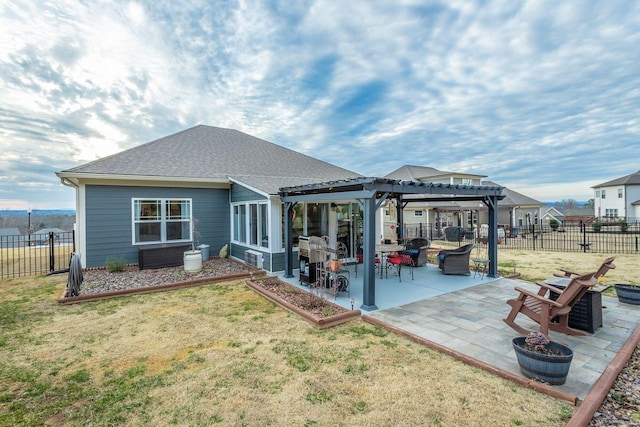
(542, 97)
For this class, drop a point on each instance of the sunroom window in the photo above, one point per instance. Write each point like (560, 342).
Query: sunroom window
(251, 224)
(161, 220)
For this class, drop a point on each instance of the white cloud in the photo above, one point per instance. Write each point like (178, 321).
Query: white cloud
(530, 94)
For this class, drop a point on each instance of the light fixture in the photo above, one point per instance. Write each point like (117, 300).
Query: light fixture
(353, 302)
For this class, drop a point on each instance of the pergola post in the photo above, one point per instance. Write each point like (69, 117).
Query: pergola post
(400, 210)
(492, 204)
(288, 239)
(368, 255)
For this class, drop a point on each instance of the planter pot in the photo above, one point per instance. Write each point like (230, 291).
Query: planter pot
(192, 261)
(552, 369)
(629, 294)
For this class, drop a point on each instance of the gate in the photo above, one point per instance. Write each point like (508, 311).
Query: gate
(35, 253)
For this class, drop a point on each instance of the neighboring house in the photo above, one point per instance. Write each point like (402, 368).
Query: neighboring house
(223, 181)
(618, 198)
(9, 237)
(42, 236)
(577, 216)
(552, 214)
(514, 211)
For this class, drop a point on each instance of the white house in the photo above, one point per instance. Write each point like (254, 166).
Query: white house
(618, 198)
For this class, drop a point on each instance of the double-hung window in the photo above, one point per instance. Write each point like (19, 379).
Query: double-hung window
(161, 220)
(251, 224)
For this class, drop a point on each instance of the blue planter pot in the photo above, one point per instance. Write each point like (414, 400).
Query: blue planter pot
(627, 293)
(552, 369)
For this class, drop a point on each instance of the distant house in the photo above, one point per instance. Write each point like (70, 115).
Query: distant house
(8, 237)
(514, 211)
(204, 185)
(618, 198)
(552, 214)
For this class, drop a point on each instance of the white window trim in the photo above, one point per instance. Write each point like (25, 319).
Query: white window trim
(247, 225)
(163, 221)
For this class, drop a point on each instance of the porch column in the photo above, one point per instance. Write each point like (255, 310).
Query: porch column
(368, 255)
(400, 209)
(288, 239)
(492, 204)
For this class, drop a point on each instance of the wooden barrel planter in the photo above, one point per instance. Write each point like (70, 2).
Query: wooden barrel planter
(627, 293)
(552, 369)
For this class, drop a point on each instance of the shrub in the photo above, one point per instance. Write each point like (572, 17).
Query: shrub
(115, 264)
(554, 224)
(597, 226)
(624, 225)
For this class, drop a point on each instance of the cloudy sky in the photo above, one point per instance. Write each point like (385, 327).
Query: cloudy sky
(541, 96)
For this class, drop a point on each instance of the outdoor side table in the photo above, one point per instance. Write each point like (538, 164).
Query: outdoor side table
(481, 266)
(586, 314)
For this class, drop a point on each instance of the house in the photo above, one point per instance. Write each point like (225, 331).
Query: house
(552, 214)
(618, 198)
(515, 210)
(203, 185)
(10, 237)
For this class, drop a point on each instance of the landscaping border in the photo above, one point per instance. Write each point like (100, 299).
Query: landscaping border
(318, 322)
(158, 288)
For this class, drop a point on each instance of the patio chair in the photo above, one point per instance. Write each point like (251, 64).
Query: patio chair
(456, 261)
(402, 258)
(606, 266)
(418, 250)
(542, 309)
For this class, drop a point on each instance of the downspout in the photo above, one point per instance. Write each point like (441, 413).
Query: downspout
(79, 225)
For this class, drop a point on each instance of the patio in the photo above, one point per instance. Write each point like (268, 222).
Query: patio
(463, 315)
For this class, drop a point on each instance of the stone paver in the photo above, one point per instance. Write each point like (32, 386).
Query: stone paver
(470, 321)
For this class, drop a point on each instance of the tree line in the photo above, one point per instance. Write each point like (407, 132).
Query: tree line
(38, 221)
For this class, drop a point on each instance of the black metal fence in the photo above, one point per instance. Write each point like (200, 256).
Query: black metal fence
(608, 238)
(22, 255)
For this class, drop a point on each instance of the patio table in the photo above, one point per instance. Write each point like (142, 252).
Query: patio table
(386, 249)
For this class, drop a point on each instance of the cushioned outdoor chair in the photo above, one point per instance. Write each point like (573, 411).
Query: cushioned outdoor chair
(418, 250)
(543, 309)
(456, 261)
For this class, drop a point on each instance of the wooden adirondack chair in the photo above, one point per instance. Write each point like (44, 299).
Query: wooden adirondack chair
(542, 309)
(606, 266)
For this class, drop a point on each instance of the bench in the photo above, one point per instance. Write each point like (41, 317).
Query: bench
(163, 255)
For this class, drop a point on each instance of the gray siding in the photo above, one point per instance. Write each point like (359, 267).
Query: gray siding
(243, 194)
(108, 218)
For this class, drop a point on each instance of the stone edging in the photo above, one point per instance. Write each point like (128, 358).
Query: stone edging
(600, 389)
(158, 288)
(318, 322)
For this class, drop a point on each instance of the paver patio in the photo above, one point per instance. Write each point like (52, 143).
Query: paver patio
(464, 314)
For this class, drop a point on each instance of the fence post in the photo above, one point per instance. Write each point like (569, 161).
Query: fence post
(52, 257)
(533, 235)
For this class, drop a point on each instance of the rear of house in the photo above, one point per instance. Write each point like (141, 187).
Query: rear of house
(204, 185)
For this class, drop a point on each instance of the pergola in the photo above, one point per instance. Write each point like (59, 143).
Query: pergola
(371, 193)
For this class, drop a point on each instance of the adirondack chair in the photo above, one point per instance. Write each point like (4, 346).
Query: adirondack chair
(543, 309)
(606, 266)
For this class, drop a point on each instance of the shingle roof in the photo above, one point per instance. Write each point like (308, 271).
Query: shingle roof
(207, 152)
(513, 198)
(631, 179)
(422, 173)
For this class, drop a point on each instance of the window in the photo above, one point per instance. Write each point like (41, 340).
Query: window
(467, 181)
(619, 193)
(604, 194)
(417, 213)
(611, 212)
(597, 194)
(251, 224)
(161, 220)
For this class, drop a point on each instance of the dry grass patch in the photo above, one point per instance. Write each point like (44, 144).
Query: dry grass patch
(221, 354)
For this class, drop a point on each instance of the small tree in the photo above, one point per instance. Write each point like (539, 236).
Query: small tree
(554, 224)
(597, 226)
(624, 225)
